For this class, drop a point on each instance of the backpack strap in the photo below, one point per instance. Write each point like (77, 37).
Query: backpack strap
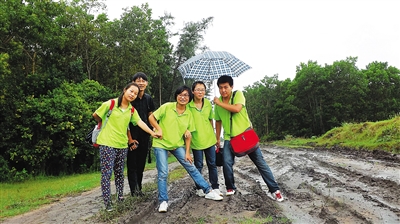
(111, 108)
(132, 110)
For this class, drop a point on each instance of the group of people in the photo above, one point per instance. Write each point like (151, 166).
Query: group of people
(181, 128)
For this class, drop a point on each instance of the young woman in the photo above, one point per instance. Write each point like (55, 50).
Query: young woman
(203, 139)
(113, 140)
(172, 120)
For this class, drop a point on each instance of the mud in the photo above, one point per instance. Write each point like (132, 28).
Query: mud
(336, 185)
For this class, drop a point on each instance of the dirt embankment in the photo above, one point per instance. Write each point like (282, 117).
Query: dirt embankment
(319, 186)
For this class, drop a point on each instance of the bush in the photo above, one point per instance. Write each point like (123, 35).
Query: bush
(4, 170)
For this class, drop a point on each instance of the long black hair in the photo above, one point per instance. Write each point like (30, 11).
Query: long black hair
(123, 91)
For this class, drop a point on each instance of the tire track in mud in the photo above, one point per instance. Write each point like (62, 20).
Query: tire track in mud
(249, 202)
(331, 188)
(319, 186)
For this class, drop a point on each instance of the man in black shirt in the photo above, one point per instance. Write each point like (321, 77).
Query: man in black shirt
(139, 141)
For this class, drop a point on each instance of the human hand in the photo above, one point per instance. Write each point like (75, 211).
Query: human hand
(188, 158)
(216, 100)
(188, 134)
(132, 145)
(157, 134)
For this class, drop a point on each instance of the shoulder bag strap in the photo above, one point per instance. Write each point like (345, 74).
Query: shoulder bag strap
(233, 96)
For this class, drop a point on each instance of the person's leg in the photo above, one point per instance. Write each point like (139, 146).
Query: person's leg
(194, 173)
(119, 163)
(142, 158)
(107, 157)
(212, 167)
(198, 161)
(229, 160)
(264, 170)
(162, 169)
(131, 166)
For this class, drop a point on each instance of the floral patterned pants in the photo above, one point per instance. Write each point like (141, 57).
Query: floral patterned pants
(112, 158)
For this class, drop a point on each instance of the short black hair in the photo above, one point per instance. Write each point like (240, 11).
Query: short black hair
(225, 79)
(139, 75)
(198, 82)
(179, 90)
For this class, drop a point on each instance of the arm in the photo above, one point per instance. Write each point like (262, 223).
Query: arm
(153, 122)
(218, 133)
(234, 108)
(146, 128)
(96, 117)
(188, 157)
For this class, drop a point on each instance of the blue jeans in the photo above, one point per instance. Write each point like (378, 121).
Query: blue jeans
(162, 168)
(210, 160)
(258, 160)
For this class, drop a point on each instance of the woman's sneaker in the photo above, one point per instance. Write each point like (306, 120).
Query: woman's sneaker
(200, 193)
(163, 207)
(277, 196)
(109, 207)
(218, 192)
(213, 196)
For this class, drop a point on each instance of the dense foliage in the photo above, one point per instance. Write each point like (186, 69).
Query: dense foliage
(323, 97)
(59, 60)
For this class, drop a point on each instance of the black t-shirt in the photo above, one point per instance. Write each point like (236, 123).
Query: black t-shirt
(143, 106)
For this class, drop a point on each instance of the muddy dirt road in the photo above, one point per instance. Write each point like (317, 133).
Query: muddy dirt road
(319, 186)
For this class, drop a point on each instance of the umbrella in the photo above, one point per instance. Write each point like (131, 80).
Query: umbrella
(211, 65)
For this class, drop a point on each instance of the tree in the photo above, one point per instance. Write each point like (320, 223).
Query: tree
(310, 86)
(383, 95)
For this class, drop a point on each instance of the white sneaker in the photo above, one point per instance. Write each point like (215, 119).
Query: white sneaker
(200, 193)
(213, 196)
(218, 192)
(277, 196)
(230, 192)
(163, 207)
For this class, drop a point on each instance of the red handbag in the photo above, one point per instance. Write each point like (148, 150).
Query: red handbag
(244, 143)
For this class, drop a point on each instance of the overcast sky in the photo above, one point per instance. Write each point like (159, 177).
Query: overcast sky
(274, 37)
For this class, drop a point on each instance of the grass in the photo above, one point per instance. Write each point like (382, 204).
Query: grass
(381, 135)
(19, 198)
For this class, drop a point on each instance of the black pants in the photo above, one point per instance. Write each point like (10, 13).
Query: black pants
(136, 161)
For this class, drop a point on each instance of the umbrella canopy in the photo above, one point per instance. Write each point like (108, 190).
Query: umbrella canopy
(211, 65)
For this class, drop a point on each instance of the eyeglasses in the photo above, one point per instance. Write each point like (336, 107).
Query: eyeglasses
(199, 90)
(183, 95)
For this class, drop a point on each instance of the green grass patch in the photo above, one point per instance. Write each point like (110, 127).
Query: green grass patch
(22, 197)
(381, 135)
(18, 198)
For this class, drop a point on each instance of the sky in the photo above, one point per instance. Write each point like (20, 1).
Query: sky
(274, 37)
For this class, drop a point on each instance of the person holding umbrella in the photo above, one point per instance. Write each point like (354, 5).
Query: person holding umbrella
(172, 120)
(203, 140)
(240, 122)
